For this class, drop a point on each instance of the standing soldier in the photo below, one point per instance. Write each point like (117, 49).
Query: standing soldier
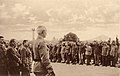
(78, 48)
(59, 53)
(105, 51)
(80, 53)
(26, 58)
(100, 47)
(83, 53)
(109, 57)
(97, 53)
(113, 53)
(3, 63)
(42, 66)
(88, 53)
(68, 53)
(74, 54)
(63, 53)
(54, 50)
(50, 53)
(13, 59)
(93, 55)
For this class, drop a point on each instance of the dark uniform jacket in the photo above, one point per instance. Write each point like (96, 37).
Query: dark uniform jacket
(97, 50)
(41, 58)
(105, 50)
(2, 56)
(74, 50)
(114, 50)
(26, 57)
(13, 57)
(3, 61)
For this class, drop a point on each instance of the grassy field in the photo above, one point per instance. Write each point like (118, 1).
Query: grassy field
(83, 70)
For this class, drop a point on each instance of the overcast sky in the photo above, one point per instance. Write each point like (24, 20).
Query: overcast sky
(86, 18)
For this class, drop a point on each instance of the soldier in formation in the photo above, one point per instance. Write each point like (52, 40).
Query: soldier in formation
(3, 58)
(26, 58)
(98, 53)
(13, 59)
(19, 56)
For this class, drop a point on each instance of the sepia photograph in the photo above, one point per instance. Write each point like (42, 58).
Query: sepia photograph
(59, 37)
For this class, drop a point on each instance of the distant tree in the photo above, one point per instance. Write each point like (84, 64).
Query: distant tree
(70, 37)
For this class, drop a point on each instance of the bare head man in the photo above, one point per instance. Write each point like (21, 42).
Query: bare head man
(42, 31)
(1, 39)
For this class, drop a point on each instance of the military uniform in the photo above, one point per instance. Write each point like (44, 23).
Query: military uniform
(88, 54)
(54, 53)
(113, 54)
(68, 54)
(13, 61)
(81, 54)
(3, 61)
(63, 53)
(59, 53)
(105, 51)
(74, 54)
(42, 65)
(26, 58)
(97, 54)
(109, 57)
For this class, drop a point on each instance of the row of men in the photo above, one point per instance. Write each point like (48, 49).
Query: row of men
(14, 60)
(19, 57)
(104, 53)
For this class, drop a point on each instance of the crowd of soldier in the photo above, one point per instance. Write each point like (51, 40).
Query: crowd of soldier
(16, 57)
(15, 60)
(97, 53)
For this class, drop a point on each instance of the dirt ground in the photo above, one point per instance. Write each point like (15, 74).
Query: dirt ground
(83, 70)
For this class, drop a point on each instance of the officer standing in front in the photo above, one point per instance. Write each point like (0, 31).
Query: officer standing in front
(42, 66)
